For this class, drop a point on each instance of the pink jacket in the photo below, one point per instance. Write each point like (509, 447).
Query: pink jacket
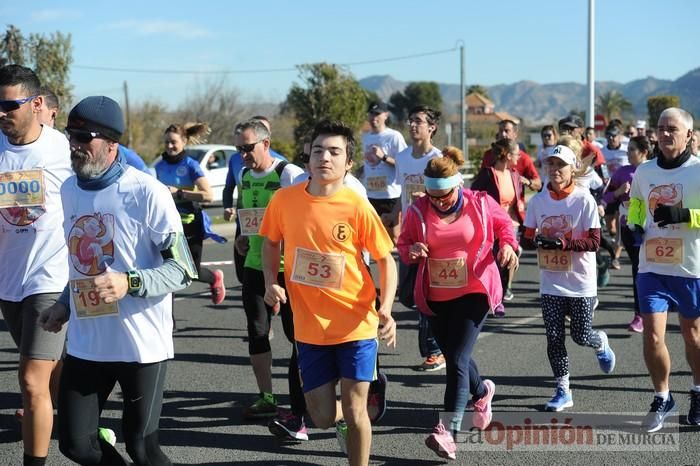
(490, 222)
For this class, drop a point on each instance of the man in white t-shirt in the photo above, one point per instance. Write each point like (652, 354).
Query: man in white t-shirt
(614, 152)
(381, 145)
(423, 123)
(126, 255)
(34, 162)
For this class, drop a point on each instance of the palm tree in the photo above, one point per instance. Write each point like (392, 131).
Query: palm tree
(613, 104)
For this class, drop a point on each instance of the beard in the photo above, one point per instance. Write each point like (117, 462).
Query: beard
(86, 167)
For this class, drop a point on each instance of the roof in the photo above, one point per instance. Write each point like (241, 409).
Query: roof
(477, 100)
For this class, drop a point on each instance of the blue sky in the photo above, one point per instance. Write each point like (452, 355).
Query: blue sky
(506, 41)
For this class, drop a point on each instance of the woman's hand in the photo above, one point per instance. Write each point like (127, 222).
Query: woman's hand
(417, 251)
(507, 257)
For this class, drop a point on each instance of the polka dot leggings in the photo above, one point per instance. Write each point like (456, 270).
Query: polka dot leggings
(554, 309)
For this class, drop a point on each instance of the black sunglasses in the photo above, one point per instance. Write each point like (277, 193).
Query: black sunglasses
(12, 105)
(81, 135)
(248, 147)
(443, 198)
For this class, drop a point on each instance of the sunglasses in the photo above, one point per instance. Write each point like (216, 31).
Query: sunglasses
(12, 105)
(81, 135)
(246, 148)
(443, 198)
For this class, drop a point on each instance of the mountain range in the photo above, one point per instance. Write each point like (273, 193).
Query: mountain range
(545, 103)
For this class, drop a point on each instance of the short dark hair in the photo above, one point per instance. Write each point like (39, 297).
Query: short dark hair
(13, 75)
(431, 114)
(50, 98)
(336, 128)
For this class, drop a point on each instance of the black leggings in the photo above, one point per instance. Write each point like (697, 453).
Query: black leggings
(627, 237)
(85, 386)
(194, 232)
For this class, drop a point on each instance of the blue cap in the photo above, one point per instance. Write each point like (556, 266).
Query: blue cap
(99, 114)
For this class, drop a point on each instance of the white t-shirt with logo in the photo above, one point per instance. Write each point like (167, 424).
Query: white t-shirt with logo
(409, 171)
(118, 229)
(380, 180)
(34, 255)
(675, 249)
(615, 158)
(570, 218)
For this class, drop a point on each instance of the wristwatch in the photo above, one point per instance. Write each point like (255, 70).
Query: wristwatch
(179, 195)
(134, 279)
(384, 158)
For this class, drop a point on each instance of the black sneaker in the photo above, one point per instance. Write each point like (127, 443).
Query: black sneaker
(659, 411)
(376, 398)
(694, 412)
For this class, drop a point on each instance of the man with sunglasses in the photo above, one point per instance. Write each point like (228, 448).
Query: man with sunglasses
(34, 162)
(127, 254)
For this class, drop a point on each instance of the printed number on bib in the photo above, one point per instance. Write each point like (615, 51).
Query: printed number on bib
(24, 188)
(554, 260)
(318, 269)
(376, 183)
(664, 250)
(87, 300)
(250, 220)
(448, 273)
(411, 188)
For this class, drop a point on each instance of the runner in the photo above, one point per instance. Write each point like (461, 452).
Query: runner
(126, 249)
(665, 203)
(35, 257)
(562, 223)
(451, 233)
(325, 226)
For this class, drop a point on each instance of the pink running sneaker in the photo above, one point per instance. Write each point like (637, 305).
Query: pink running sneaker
(442, 442)
(637, 324)
(218, 289)
(482, 407)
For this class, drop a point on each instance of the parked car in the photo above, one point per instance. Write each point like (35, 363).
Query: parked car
(213, 158)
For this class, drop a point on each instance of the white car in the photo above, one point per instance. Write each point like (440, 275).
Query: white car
(213, 158)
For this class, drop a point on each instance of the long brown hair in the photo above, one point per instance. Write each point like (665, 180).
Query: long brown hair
(190, 132)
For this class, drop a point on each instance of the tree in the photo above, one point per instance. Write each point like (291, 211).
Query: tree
(327, 92)
(415, 94)
(479, 89)
(657, 104)
(613, 105)
(147, 123)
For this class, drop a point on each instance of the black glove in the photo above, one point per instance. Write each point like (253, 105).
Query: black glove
(548, 243)
(667, 215)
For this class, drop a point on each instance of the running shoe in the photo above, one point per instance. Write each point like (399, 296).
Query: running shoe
(286, 425)
(603, 277)
(660, 410)
(637, 324)
(442, 442)
(508, 295)
(694, 412)
(341, 435)
(107, 435)
(482, 407)
(376, 398)
(560, 401)
(264, 406)
(605, 355)
(432, 363)
(499, 311)
(19, 415)
(218, 289)
(615, 264)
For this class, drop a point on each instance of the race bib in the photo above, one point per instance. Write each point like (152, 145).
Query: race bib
(664, 250)
(250, 220)
(411, 188)
(87, 301)
(24, 188)
(554, 260)
(318, 269)
(376, 183)
(448, 273)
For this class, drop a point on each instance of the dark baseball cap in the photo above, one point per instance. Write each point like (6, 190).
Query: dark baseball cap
(571, 121)
(377, 107)
(612, 131)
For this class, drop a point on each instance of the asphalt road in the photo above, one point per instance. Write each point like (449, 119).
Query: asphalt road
(210, 381)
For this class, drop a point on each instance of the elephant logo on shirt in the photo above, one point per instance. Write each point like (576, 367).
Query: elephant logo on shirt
(557, 226)
(90, 243)
(665, 194)
(22, 216)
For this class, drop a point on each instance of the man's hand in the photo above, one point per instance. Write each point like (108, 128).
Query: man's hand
(112, 286)
(241, 245)
(667, 215)
(374, 154)
(274, 295)
(52, 318)
(229, 213)
(548, 243)
(387, 331)
(507, 257)
(417, 251)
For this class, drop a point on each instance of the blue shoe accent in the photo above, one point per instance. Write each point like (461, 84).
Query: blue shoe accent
(659, 411)
(560, 401)
(606, 356)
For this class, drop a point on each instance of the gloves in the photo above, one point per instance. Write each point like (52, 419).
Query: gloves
(548, 243)
(667, 215)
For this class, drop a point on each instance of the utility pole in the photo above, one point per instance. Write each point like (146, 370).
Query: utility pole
(128, 115)
(590, 113)
(463, 106)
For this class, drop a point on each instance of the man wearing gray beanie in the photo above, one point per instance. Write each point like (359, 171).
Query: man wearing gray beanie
(127, 254)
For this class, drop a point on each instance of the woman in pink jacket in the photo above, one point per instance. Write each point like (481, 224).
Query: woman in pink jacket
(449, 233)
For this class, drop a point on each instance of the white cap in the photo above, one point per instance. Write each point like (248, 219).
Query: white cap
(642, 124)
(565, 154)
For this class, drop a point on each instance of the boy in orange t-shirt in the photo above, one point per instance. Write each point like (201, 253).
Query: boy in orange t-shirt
(325, 227)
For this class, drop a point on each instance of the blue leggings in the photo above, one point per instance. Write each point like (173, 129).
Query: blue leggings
(456, 326)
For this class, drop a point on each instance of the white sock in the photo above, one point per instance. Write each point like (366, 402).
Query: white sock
(695, 388)
(662, 395)
(563, 382)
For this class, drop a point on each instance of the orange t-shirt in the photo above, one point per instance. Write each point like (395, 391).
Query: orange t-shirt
(330, 290)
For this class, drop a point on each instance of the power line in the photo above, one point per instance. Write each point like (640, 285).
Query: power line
(263, 70)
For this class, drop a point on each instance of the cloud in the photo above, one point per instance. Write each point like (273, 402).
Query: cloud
(181, 29)
(48, 15)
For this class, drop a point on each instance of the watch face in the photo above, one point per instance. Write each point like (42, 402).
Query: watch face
(134, 282)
